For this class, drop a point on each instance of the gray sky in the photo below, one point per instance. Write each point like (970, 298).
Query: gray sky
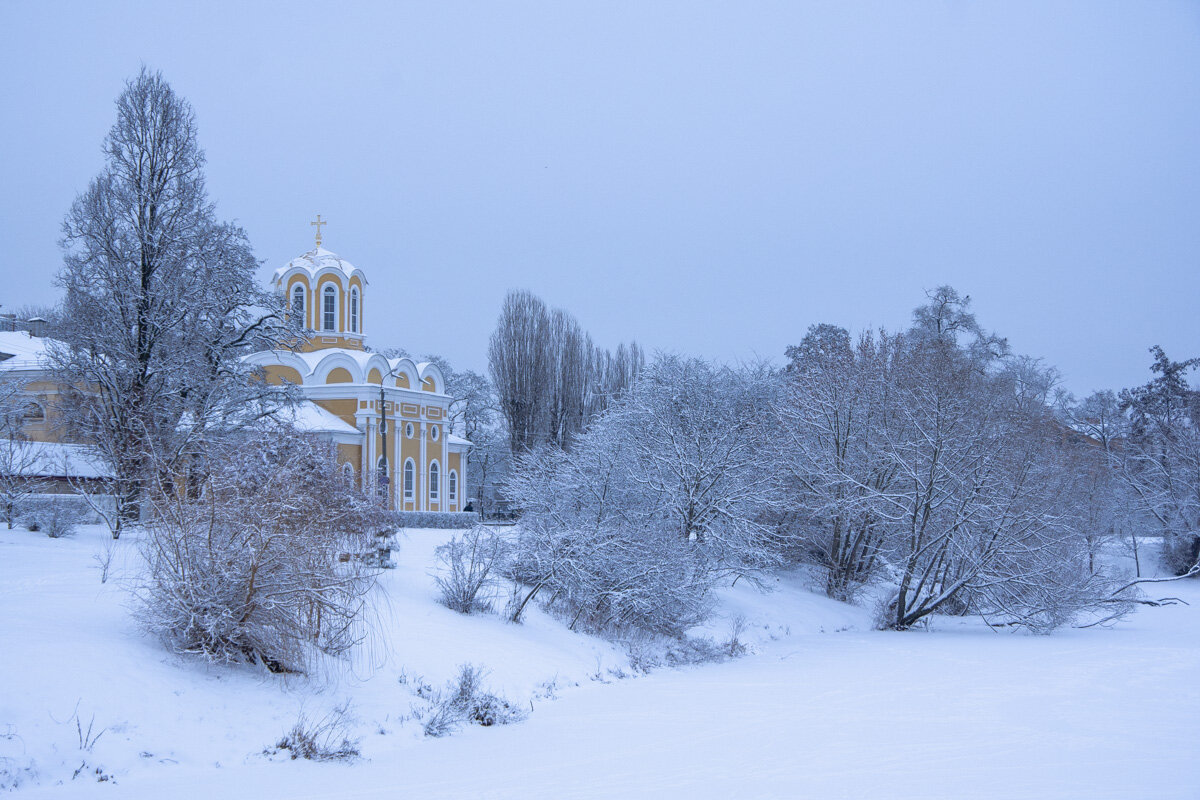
(708, 178)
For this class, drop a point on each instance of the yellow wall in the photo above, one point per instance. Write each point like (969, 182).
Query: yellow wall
(277, 374)
(351, 454)
(339, 375)
(342, 408)
(411, 448)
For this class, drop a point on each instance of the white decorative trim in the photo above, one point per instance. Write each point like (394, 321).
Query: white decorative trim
(424, 504)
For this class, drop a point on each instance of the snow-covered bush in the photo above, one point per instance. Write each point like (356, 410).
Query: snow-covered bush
(651, 508)
(466, 701)
(55, 515)
(52, 517)
(446, 520)
(468, 565)
(270, 564)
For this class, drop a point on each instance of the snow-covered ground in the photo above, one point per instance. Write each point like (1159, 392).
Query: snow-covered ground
(824, 706)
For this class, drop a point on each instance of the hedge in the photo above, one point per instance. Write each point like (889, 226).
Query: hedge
(437, 519)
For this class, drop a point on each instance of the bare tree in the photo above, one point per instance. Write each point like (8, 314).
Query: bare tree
(551, 381)
(488, 465)
(983, 510)
(836, 409)
(519, 356)
(161, 299)
(1107, 507)
(934, 461)
(1161, 458)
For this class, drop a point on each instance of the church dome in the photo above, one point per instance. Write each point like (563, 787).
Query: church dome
(319, 260)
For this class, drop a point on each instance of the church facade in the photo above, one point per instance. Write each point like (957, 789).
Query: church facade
(390, 417)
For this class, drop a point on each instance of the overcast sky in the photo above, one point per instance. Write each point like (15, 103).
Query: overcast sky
(703, 178)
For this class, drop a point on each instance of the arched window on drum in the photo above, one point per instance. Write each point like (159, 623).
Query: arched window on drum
(329, 308)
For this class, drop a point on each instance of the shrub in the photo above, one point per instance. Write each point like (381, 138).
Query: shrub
(324, 739)
(465, 701)
(468, 565)
(34, 505)
(270, 564)
(448, 520)
(54, 520)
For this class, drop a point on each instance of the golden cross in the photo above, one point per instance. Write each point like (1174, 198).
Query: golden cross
(319, 223)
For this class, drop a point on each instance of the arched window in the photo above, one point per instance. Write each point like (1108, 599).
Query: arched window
(33, 412)
(452, 487)
(329, 309)
(433, 481)
(410, 474)
(348, 473)
(298, 305)
(354, 310)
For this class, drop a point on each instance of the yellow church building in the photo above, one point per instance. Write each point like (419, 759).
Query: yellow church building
(388, 416)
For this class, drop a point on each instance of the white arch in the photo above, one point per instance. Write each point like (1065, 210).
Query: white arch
(376, 361)
(342, 278)
(452, 487)
(330, 361)
(427, 369)
(406, 367)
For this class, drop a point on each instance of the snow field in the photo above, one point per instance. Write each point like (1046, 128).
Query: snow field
(824, 707)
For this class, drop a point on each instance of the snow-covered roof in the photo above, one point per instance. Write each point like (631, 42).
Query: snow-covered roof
(317, 260)
(453, 439)
(19, 350)
(308, 417)
(58, 459)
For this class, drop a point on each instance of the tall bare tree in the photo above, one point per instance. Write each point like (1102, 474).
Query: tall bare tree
(551, 381)
(161, 298)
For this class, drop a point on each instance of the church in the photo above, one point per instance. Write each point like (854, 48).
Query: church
(390, 417)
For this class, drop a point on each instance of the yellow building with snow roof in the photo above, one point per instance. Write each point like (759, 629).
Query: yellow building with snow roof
(388, 416)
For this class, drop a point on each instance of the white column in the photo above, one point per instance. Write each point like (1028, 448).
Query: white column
(370, 475)
(423, 468)
(362, 456)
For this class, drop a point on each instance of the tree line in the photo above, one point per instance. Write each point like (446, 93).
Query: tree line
(930, 467)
